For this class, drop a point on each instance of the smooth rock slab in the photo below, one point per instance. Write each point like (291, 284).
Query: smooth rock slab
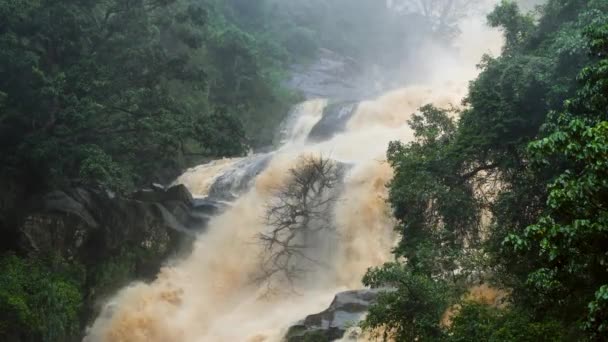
(346, 310)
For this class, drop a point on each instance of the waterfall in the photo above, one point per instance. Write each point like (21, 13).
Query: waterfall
(210, 295)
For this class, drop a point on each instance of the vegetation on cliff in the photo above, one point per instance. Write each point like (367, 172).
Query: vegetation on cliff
(112, 92)
(512, 194)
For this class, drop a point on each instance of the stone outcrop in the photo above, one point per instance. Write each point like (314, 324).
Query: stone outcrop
(346, 310)
(83, 224)
(114, 239)
(334, 120)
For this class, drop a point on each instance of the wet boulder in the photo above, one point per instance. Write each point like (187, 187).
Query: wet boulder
(346, 310)
(238, 179)
(85, 225)
(334, 120)
(159, 194)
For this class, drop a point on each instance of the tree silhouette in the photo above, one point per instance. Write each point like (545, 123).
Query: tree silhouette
(296, 215)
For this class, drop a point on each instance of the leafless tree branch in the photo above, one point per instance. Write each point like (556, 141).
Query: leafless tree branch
(298, 212)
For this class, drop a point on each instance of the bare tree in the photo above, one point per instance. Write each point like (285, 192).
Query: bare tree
(299, 211)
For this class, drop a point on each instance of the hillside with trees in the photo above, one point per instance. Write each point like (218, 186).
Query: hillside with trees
(511, 195)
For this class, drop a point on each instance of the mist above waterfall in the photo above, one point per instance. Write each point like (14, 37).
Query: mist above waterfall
(211, 295)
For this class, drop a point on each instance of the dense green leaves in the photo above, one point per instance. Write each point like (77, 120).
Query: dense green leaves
(38, 302)
(572, 233)
(481, 322)
(412, 309)
(116, 94)
(111, 92)
(536, 123)
(515, 25)
(598, 314)
(437, 211)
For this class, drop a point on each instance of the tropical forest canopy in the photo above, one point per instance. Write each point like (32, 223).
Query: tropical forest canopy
(513, 194)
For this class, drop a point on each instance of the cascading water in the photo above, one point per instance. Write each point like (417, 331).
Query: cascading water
(210, 295)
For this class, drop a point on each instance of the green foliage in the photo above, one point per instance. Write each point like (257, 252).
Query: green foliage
(50, 299)
(598, 314)
(411, 309)
(516, 26)
(39, 301)
(480, 322)
(570, 236)
(314, 336)
(536, 124)
(109, 275)
(431, 195)
(112, 92)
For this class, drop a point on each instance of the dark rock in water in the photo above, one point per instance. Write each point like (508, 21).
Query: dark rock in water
(157, 187)
(186, 212)
(159, 194)
(225, 189)
(205, 208)
(238, 178)
(334, 120)
(179, 193)
(346, 310)
(148, 195)
(208, 206)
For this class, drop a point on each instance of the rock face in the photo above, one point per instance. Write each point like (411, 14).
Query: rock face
(86, 224)
(239, 178)
(334, 120)
(114, 239)
(346, 310)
